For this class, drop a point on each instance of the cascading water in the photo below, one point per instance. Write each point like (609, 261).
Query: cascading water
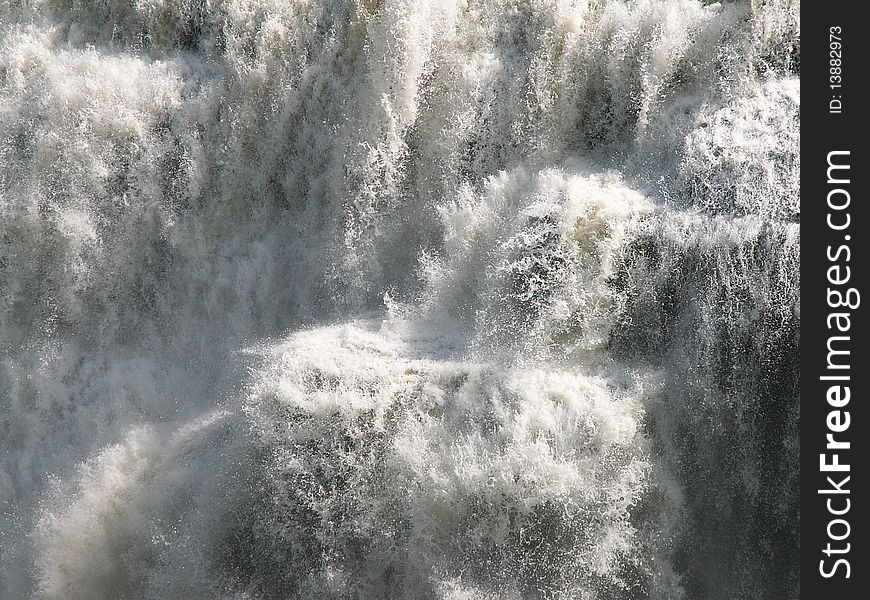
(398, 299)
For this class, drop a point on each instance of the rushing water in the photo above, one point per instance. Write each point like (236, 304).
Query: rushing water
(398, 299)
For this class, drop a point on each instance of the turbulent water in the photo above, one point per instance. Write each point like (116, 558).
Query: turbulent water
(399, 299)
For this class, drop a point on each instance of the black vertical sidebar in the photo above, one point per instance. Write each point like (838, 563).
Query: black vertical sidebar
(835, 372)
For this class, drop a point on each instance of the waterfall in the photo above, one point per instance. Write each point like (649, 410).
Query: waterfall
(399, 299)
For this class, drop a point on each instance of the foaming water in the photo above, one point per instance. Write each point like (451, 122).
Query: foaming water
(405, 474)
(398, 299)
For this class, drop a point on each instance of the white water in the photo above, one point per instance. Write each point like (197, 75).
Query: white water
(398, 299)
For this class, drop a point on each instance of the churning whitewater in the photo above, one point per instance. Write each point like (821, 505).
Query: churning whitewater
(399, 299)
